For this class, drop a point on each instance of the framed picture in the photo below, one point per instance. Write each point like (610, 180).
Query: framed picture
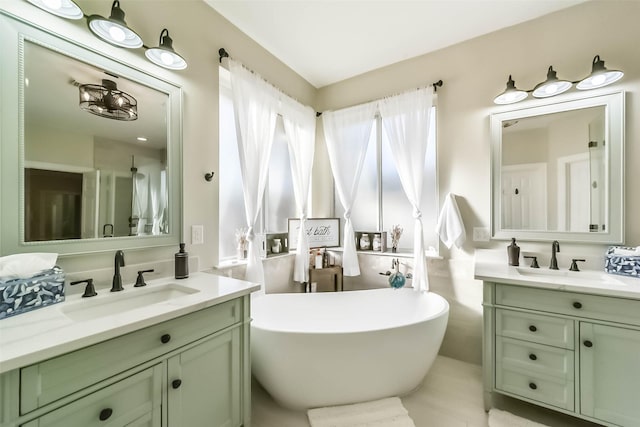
(322, 232)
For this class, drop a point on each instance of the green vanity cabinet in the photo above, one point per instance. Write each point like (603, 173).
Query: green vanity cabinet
(204, 383)
(193, 370)
(568, 351)
(610, 373)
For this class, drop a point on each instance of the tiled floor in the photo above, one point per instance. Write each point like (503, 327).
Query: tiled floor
(450, 396)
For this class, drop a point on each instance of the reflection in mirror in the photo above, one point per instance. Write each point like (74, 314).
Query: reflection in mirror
(558, 171)
(552, 172)
(85, 175)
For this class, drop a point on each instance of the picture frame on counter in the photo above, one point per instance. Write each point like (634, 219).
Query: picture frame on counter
(322, 232)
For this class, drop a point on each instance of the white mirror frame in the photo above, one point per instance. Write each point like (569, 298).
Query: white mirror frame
(13, 34)
(614, 103)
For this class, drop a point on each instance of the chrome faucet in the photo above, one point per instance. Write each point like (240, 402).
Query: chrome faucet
(117, 280)
(555, 247)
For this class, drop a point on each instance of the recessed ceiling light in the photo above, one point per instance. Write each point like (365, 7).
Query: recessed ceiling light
(141, 139)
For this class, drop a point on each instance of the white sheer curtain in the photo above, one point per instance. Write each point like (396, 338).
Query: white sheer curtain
(347, 134)
(255, 104)
(406, 119)
(300, 128)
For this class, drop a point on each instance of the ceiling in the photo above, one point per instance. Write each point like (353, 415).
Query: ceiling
(326, 41)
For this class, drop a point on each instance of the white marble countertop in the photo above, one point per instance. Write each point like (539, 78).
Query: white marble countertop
(48, 332)
(492, 266)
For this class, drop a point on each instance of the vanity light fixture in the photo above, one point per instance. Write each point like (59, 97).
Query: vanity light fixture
(114, 29)
(107, 101)
(63, 8)
(511, 94)
(599, 76)
(164, 55)
(552, 86)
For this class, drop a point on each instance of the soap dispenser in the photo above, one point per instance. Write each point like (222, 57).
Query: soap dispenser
(182, 263)
(513, 251)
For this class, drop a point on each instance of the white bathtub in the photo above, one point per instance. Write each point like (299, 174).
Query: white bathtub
(333, 348)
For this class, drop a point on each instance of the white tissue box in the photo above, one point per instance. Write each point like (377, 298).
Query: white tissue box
(627, 265)
(22, 295)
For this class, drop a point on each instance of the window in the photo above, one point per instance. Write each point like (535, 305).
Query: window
(278, 204)
(381, 202)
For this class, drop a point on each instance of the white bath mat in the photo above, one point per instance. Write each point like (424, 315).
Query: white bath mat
(379, 413)
(498, 418)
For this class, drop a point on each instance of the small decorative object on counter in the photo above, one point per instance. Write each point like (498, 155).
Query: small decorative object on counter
(242, 243)
(623, 260)
(276, 248)
(365, 242)
(396, 232)
(182, 263)
(318, 260)
(513, 251)
(377, 242)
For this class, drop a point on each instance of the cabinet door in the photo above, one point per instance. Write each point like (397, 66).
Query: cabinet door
(204, 383)
(132, 402)
(610, 373)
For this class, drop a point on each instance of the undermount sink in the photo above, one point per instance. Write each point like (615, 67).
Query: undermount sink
(124, 301)
(583, 277)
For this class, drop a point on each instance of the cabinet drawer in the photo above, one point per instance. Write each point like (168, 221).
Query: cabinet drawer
(61, 376)
(537, 328)
(534, 358)
(133, 401)
(552, 391)
(569, 303)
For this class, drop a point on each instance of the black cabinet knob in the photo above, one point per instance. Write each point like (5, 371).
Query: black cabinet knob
(533, 386)
(588, 343)
(533, 357)
(176, 383)
(577, 305)
(165, 338)
(532, 328)
(105, 414)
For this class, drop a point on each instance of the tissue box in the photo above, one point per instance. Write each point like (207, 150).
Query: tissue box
(22, 295)
(622, 264)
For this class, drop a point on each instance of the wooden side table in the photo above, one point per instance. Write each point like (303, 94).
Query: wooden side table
(333, 273)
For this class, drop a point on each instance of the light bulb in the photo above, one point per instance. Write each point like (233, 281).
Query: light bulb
(53, 4)
(117, 33)
(166, 58)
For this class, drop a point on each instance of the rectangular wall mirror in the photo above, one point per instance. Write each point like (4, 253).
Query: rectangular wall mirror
(558, 171)
(94, 155)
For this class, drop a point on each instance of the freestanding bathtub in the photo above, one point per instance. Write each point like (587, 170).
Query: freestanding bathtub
(333, 348)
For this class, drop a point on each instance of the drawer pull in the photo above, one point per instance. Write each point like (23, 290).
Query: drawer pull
(165, 338)
(176, 383)
(533, 357)
(588, 343)
(577, 305)
(105, 414)
(533, 386)
(532, 328)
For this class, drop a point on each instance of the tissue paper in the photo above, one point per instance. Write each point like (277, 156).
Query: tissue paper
(24, 266)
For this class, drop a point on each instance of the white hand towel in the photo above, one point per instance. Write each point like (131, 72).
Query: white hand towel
(450, 227)
(27, 265)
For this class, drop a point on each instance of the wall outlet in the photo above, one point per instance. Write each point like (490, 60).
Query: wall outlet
(481, 234)
(197, 234)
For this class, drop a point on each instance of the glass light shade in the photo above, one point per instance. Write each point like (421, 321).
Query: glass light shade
(114, 30)
(164, 55)
(552, 86)
(63, 8)
(599, 76)
(511, 94)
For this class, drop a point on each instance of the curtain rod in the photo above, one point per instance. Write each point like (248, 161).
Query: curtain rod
(224, 54)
